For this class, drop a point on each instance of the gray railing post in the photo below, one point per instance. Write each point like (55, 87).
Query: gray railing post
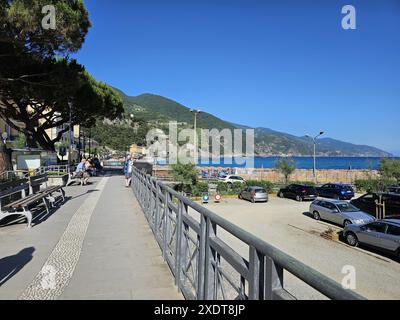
(256, 275)
(180, 244)
(273, 278)
(166, 226)
(153, 198)
(158, 210)
(201, 263)
(210, 274)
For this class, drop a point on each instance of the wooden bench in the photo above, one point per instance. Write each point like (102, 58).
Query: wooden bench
(38, 190)
(12, 192)
(38, 186)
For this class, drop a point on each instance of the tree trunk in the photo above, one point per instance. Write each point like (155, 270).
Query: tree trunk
(5, 163)
(40, 140)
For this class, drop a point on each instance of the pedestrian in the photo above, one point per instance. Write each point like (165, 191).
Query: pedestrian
(81, 172)
(128, 167)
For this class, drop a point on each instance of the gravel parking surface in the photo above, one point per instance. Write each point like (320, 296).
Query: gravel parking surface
(285, 224)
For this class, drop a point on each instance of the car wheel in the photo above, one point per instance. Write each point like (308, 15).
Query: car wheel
(280, 194)
(316, 215)
(346, 223)
(351, 239)
(299, 198)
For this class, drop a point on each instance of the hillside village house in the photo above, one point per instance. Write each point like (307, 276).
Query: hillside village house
(138, 150)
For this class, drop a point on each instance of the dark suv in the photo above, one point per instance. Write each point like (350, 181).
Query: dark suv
(394, 189)
(299, 192)
(367, 203)
(336, 191)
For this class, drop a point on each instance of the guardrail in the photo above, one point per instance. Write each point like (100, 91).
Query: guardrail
(207, 268)
(9, 175)
(54, 168)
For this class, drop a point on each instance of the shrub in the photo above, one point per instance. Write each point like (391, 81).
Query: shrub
(374, 184)
(199, 188)
(267, 185)
(390, 169)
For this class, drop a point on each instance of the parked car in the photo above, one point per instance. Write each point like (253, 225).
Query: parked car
(339, 212)
(254, 194)
(336, 191)
(232, 179)
(299, 192)
(381, 234)
(396, 217)
(368, 202)
(394, 189)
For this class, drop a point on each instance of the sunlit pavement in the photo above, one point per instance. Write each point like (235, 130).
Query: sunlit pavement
(95, 246)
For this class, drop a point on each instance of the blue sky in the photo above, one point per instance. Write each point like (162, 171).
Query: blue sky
(286, 65)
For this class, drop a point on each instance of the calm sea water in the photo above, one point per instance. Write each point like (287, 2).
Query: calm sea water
(307, 163)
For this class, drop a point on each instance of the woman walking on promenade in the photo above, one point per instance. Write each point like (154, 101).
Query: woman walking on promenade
(128, 166)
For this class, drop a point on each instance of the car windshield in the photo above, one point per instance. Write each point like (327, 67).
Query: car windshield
(261, 191)
(347, 207)
(347, 188)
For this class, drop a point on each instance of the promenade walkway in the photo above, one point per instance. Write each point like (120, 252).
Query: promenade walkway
(97, 245)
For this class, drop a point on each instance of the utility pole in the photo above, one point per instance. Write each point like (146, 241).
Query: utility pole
(314, 139)
(70, 134)
(90, 142)
(195, 113)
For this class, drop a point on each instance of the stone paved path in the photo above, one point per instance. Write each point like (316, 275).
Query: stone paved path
(96, 246)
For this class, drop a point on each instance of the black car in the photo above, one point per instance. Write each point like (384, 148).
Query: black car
(336, 191)
(299, 192)
(367, 203)
(394, 189)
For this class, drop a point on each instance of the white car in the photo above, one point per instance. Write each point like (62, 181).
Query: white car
(232, 179)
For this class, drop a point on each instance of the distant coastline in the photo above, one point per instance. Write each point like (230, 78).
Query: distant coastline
(302, 162)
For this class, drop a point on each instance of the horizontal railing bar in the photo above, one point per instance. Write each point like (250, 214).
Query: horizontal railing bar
(228, 278)
(173, 207)
(192, 223)
(231, 256)
(282, 294)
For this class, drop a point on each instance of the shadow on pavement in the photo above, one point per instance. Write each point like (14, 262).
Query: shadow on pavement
(10, 266)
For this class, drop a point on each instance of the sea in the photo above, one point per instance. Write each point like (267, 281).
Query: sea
(345, 163)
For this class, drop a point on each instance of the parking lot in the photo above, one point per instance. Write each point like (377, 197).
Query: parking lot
(286, 224)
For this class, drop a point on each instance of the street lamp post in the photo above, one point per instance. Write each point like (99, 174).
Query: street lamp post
(314, 139)
(70, 134)
(195, 112)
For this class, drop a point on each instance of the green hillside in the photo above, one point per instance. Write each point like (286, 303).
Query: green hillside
(157, 111)
(156, 108)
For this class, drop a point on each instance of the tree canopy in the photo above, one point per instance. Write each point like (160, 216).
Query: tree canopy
(22, 30)
(285, 167)
(40, 86)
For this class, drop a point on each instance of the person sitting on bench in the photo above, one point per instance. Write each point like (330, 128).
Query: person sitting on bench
(81, 172)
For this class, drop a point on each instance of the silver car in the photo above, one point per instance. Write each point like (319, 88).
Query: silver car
(339, 212)
(381, 234)
(254, 194)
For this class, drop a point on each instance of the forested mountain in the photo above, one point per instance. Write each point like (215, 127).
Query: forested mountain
(156, 110)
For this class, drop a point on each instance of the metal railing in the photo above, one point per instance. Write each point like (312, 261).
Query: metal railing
(65, 169)
(205, 267)
(10, 175)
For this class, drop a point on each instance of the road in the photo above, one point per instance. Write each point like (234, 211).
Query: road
(284, 223)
